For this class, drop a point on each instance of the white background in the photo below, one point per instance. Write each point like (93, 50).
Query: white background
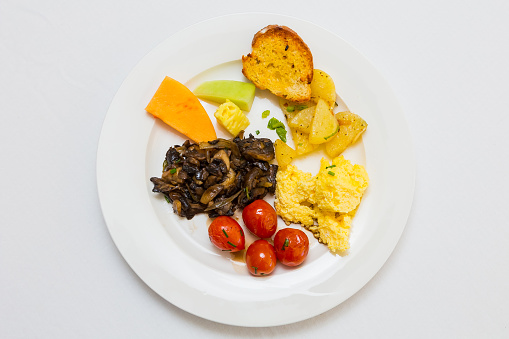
(61, 63)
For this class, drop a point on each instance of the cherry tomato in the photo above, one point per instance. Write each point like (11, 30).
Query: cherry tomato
(292, 246)
(261, 258)
(226, 234)
(260, 218)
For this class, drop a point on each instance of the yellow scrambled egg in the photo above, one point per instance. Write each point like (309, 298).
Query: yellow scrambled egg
(326, 203)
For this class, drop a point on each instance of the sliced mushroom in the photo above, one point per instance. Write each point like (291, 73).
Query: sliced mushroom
(210, 193)
(222, 156)
(251, 177)
(229, 179)
(256, 148)
(171, 176)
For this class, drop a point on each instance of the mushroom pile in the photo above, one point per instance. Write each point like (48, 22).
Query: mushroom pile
(218, 176)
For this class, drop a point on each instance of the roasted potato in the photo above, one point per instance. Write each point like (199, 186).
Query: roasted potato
(351, 126)
(322, 87)
(324, 125)
(301, 141)
(290, 108)
(302, 120)
(284, 153)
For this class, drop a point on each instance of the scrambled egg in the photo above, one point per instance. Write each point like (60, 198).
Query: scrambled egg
(340, 186)
(294, 196)
(330, 198)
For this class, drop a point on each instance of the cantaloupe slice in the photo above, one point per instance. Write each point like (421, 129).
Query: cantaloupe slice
(178, 107)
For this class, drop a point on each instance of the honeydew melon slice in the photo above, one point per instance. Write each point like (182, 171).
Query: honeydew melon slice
(240, 93)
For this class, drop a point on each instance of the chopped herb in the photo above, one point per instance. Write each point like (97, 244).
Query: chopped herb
(298, 107)
(173, 171)
(167, 199)
(333, 134)
(226, 234)
(262, 273)
(257, 132)
(256, 269)
(231, 244)
(285, 245)
(277, 125)
(300, 143)
(241, 232)
(331, 173)
(247, 193)
(331, 166)
(177, 161)
(274, 123)
(265, 114)
(281, 132)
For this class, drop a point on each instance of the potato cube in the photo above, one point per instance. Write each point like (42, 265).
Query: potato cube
(284, 153)
(324, 125)
(302, 120)
(290, 108)
(322, 87)
(351, 126)
(301, 141)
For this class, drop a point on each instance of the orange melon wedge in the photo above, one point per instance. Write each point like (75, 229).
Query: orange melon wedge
(178, 107)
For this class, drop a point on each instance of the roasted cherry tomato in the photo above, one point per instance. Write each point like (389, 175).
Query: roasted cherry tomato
(226, 234)
(261, 258)
(260, 218)
(292, 246)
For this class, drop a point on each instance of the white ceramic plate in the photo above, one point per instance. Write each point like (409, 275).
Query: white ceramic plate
(174, 256)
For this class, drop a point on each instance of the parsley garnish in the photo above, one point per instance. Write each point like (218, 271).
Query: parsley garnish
(290, 108)
(247, 194)
(274, 123)
(331, 173)
(226, 234)
(281, 132)
(277, 125)
(256, 269)
(265, 114)
(257, 132)
(173, 171)
(331, 166)
(167, 199)
(231, 244)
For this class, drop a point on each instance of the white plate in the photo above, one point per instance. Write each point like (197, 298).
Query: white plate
(174, 256)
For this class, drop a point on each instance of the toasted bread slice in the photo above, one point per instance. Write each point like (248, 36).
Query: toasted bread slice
(281, 62)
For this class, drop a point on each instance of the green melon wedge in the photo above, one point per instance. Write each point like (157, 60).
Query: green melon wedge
(240, 93)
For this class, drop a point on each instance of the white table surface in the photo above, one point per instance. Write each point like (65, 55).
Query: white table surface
(61, 63)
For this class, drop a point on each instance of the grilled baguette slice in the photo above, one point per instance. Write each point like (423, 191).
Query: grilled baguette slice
(281, 62)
